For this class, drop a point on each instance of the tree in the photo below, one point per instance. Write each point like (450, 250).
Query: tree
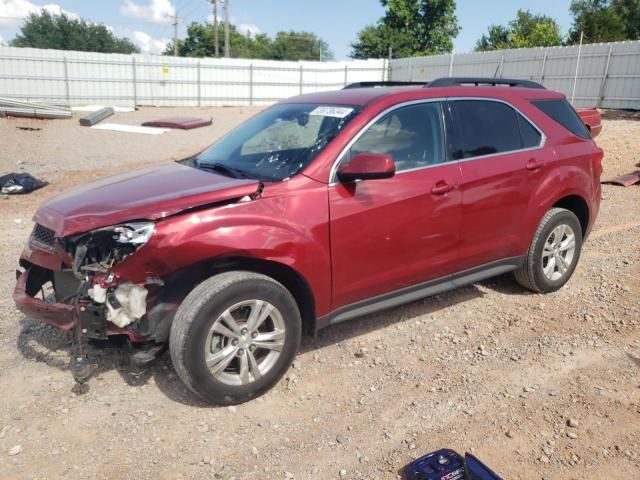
(629, 13)
(598, 20)
(300, 46)
(527, 30)
(498, 38)
(199, 42)
(409, 28)
(286, 45)
(60, 32)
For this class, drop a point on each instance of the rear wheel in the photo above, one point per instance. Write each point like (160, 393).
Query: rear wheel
(234, 336)
(553, 254)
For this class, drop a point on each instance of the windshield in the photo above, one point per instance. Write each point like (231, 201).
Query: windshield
(277, 143)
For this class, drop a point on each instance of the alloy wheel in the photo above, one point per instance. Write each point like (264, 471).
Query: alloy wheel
(244, 343)
(558, 252)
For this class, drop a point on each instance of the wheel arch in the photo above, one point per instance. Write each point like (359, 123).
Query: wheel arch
(182, 282)
(579, 207)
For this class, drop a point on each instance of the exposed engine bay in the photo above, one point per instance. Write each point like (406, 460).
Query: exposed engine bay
(96, 302)
(87, 282)
(95, 253)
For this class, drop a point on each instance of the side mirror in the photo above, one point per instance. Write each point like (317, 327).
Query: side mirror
(367, 166)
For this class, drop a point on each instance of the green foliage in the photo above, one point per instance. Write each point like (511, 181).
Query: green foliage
(599, 21)
(285, 46)
(498, 38)
(527, 30)
(300, 46)
(409, 28)
(60, 32)
(629, 12)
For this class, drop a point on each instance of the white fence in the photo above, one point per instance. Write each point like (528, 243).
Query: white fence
(603, 75)
(130, 80)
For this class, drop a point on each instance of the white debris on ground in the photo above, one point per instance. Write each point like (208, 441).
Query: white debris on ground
(116, 127)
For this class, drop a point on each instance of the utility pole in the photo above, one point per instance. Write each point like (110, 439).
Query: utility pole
(175, 32)
(226, 28)
(216, 43)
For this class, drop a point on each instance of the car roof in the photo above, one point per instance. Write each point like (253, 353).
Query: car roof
(364, 96)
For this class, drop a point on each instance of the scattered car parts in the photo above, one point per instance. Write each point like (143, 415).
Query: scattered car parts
(118, 127)
(94, 118)
(625, 180)
(14, 107)
(184, 123)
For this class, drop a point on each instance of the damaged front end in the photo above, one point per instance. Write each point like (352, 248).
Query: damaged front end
(69, 283)
(94, 255)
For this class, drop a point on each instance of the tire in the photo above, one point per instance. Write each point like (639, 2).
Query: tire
(195, 337)
(537, 273)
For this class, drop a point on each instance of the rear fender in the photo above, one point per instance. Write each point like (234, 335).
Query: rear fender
(572, 180)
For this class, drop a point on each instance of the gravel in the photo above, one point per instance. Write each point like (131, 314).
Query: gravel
(365, 396)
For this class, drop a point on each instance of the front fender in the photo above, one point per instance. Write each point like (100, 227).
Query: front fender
(276, 229)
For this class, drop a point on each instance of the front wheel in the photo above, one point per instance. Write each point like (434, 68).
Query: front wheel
(553, 254)
(234, 336)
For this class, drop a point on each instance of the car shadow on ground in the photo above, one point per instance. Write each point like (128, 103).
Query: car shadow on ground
(504, 284)
(39, 342)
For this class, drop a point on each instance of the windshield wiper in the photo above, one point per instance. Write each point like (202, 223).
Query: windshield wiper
(221, 168)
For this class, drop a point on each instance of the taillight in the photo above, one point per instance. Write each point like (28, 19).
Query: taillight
(597, 157)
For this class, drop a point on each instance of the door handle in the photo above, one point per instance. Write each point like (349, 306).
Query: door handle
(441, 187)
(533, 165)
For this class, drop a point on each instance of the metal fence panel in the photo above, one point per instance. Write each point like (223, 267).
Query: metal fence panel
(131, 80)
(602, 75)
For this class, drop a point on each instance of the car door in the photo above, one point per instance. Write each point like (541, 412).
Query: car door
(501, 161)
(392, 233)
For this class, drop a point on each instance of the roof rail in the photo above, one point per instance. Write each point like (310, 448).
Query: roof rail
(381, 84)
(482, 81)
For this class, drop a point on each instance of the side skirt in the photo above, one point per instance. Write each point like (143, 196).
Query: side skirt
(421, 290)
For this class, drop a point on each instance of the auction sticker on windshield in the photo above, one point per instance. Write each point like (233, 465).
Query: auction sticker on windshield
(329, 111)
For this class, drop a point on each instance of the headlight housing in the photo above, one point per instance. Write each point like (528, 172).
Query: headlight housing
(136, 233)
(99, 250)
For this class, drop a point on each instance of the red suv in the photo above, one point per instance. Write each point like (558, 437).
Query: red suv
(319, 209)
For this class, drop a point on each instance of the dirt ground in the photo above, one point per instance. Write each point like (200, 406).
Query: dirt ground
(488, 368)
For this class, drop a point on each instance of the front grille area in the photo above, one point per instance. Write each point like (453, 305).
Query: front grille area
(43, 237)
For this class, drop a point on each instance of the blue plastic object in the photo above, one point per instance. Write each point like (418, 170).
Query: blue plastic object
(446, 464)
(443, 464)
(476, 470)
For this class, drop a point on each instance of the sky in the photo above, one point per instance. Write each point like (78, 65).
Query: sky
(147, 22)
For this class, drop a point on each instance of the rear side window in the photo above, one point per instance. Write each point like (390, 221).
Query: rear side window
(484, 128)
(562, 112)
(530, 136)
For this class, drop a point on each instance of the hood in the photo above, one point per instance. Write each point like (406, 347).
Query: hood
(146, 193)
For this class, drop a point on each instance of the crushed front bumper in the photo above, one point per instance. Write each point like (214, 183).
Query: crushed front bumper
(60, 315)
(65, 315)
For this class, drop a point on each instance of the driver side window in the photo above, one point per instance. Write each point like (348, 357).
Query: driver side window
(412, 135)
